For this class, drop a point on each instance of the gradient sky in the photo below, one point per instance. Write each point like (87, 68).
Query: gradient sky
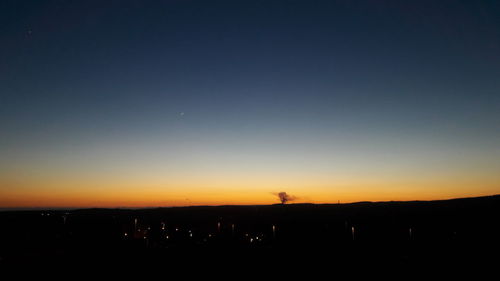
(149, 103)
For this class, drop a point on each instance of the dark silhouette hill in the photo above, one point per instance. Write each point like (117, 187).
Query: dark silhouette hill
(408, 234)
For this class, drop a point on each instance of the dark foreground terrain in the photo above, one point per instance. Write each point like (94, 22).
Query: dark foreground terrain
(393, 235)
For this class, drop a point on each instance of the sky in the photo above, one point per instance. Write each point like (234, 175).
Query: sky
(174, 103)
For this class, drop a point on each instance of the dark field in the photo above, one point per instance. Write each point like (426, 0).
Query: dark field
(402, 235)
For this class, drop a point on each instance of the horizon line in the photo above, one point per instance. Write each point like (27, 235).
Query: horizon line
(7, 209)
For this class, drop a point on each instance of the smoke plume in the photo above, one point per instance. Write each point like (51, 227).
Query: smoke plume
(284, 197)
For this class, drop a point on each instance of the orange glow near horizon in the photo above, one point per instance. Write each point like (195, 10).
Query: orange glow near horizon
(159, 196)
(121, 174)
